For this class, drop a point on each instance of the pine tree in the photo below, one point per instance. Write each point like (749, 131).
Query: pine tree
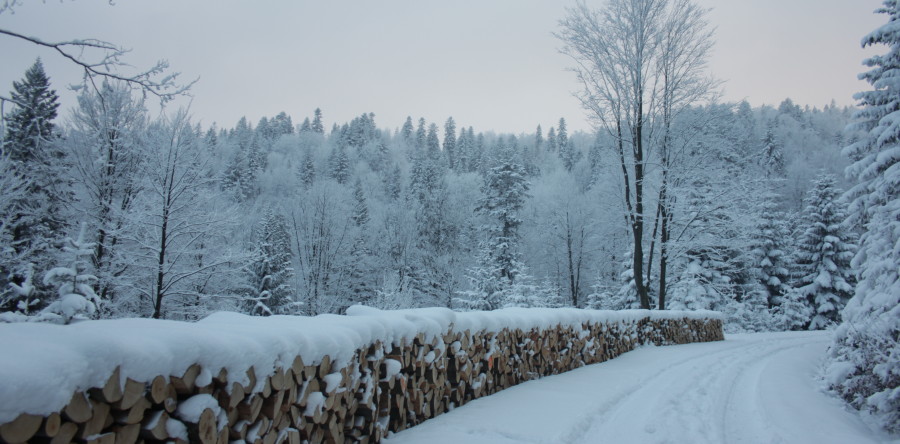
(306, 126)
(74, 285)
(552, 142)
(360, 214)
(769, 252)
(406, 132)
(500, 259)
(538, 140)
(340, 164)
(307, 170)
(433, 145)
(31, 147)
(824, 252)
(866, 352)
(567, 152)
(268, 289)
(393, 183)
(317, 125)
(450, 143)
(772, 155)
(421, 135)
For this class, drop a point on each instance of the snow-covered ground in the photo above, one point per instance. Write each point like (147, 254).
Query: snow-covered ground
(751, 388)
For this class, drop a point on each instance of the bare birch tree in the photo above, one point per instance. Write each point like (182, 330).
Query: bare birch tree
(637, 61)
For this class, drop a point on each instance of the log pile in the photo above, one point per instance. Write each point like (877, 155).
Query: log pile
(383, 388)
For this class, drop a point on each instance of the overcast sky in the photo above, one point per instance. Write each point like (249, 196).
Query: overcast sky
(490, 64)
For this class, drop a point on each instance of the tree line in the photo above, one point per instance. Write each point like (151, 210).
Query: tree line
(163, 218)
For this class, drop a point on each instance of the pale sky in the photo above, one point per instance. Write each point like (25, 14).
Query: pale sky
(490, 64)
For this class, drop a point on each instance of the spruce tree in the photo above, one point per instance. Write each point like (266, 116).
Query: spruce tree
(268, 288)
(500, 260)
(824, 252)
(36, 219)
(306, 126)
(340, 164)
(772, 155)
(421, 135)
(450, 143)
(552, 142)
(307, 170)
(406, 132)
(317, 125)
(866, 352)
(393, 183)
(360, 214)
(769, 252)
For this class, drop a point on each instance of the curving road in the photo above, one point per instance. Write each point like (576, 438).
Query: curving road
(753, 388)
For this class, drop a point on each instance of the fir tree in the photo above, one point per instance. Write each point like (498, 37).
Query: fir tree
(360, 214)
(307, 170)
(567, 153)
(769, 252)
(421, 135)
(36, 219)
(538, 140)
(406, 132)
(500, 260)
(340, 165)
(393, 183)
(824, 252)
(450, 143)
(772, 155)
(867, 350)
(268, 289)
(74, 285)
(306, 126)
(552, 142)
(317, 125)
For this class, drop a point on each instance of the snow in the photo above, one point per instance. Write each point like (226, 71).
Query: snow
(190, 409)
(44, 364)
(754, 388)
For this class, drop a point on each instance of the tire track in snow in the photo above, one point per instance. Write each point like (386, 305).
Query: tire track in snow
(681, 392)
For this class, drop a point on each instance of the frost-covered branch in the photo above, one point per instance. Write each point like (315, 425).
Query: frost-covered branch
(155, 80)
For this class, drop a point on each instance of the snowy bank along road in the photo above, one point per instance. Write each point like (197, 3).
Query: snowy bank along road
(751, 388)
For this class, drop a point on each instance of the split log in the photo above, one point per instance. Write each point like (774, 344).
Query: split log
(66, 433)
(51, 425)
(111, 392)
(185, 383)
(127, 434)
(154, 425)
(79, 409)
(132, 392)
(97, 422)
(21, 429)
(135, 414)
(159, 389)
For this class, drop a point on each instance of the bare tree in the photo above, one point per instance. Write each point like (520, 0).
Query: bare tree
(106, 147)
(635, 66)
(176, 222)
(103, 60)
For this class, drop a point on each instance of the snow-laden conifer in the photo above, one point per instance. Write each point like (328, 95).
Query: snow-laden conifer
(865, 358)
(824, 251)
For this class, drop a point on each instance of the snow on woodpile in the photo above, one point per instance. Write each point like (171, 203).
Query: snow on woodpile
(366, 351)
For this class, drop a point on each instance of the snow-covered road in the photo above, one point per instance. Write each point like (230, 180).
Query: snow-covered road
(755, 388)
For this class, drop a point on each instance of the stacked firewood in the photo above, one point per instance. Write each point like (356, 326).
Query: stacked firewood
(382, 388)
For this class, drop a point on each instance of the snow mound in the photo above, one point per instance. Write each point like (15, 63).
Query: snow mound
(44, 364)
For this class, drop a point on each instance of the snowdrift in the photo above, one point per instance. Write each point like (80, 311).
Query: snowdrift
(292, 378)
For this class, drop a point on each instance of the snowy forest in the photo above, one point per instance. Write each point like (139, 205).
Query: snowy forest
(676, 201)
(164, 218)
